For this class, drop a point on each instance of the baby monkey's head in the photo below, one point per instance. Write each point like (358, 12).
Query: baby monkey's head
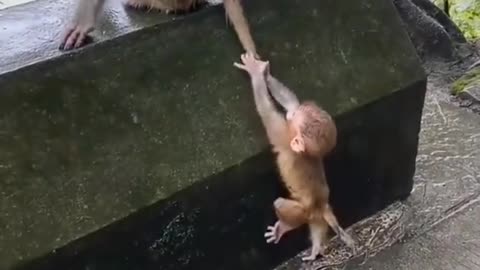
(311, 130)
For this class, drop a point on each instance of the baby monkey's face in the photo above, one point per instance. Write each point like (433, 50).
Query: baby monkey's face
(295, 122)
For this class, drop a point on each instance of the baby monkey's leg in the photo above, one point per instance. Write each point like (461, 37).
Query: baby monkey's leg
(318, 236)
(290, 211)
(291, 214)
(332, 221)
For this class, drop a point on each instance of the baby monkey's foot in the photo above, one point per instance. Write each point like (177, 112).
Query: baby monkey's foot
(309, 258)
(272, 235)
(316, 250)
(348, 240)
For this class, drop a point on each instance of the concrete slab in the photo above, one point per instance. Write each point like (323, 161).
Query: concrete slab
(126, 153)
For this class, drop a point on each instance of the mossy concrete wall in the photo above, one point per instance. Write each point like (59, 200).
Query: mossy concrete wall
(151, 139)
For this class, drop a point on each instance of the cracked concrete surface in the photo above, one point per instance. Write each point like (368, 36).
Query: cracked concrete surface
(443, 231)
(448, 172)
(452, 245)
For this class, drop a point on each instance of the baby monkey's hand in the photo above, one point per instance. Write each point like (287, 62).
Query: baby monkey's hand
(253, 66)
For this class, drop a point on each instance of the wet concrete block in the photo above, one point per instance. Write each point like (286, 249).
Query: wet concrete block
(144, 151)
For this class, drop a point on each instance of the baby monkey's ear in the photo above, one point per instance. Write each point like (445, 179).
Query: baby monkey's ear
(298, 144)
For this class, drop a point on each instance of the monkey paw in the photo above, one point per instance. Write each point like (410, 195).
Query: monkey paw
(252, 65)
(310, 257)
(317, 249)
(273, 233)
(348, 240)
(75, 37)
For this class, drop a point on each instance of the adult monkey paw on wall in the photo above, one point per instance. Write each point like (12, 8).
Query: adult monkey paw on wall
(87, 12)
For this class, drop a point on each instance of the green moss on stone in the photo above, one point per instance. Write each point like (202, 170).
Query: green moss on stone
(473, 76)
(466, 14)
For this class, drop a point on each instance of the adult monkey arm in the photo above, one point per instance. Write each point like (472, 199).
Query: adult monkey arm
(235, 14)
(273, 121)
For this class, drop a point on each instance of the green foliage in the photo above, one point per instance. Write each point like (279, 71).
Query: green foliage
(466, 14)
(469, 78)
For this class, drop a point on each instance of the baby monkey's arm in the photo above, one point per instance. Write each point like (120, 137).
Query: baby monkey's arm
(282, 95)
(272, 119)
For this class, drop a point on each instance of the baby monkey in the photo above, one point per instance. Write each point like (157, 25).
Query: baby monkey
(301, 140)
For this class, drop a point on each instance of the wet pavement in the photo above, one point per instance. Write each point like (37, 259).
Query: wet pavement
(38, 26)
(452, 245)
(10, 3)
(443, 231)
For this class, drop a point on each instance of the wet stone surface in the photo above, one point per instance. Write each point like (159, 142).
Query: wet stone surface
(135, 138)
(28, 38)
(9, 3)
(445, 204)
(453, 244)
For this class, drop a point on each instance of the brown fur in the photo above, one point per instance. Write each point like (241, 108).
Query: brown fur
(304, 176)
(301, 143)
(164, 5)
(319, 128)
